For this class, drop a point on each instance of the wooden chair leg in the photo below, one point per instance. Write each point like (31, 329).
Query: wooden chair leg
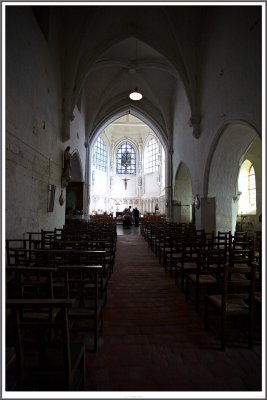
(186, 288)
(197, 298)
(223, 326)
(206, 315)
(250, 331)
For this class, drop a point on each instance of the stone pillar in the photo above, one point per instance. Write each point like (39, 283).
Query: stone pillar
(168, 187)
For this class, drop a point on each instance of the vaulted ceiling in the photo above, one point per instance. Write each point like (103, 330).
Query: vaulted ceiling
(110, 50)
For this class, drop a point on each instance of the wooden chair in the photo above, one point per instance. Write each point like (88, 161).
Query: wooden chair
(84, 286)
(46, 359)
(207, 274)
(16, 244)
(235, 300)
(173, 254)
(31, 282)
(192, 248)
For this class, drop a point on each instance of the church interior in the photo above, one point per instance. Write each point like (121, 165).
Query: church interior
(133, 198)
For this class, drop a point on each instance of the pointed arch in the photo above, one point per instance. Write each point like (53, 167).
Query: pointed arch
(226, 155)
(136, 112)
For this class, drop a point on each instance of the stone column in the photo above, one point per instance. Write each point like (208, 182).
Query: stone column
(207, 207)
(168, 187)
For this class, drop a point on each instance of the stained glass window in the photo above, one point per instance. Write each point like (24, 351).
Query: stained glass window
(126, 159)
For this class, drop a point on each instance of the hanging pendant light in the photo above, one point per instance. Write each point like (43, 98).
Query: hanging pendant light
(135, 95)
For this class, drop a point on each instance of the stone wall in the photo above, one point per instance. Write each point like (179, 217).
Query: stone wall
(229, 94)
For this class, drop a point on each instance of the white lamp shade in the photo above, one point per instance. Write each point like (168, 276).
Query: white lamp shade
(135, 95)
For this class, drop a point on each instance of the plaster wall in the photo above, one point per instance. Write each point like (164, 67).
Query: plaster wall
(77, 140)
(230, 69)
(229, 90)
(118, 188)
(187, 149)
(151, 187)
(33, 147)
(183, 198)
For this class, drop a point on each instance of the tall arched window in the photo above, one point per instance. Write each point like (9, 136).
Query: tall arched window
(150, 156)
(247, 189)
(101, 155)
(126, 159)
(252, 186)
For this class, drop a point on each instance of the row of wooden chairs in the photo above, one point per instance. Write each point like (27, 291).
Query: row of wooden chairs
(59, 288)
(225, 265)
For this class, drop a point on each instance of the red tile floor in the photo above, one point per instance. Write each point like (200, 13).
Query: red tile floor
(154, 341)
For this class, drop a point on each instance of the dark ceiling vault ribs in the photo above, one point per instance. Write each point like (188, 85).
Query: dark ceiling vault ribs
(117, 48)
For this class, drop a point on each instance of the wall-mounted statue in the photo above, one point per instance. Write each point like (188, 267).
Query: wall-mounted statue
(66, 173)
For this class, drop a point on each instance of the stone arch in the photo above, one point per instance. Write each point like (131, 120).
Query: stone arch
(221, 173)
(140, 114)
(183, 195)
(136, 112)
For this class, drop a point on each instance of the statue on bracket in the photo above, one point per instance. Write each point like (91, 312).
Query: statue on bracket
(197, 201)
(66, 173)
(61, 198)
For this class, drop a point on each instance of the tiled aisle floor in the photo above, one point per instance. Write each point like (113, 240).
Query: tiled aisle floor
(154, 341)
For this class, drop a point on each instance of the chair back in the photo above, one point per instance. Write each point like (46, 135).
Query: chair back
(43, 353)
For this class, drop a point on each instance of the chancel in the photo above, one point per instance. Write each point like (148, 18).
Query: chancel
(133, 226)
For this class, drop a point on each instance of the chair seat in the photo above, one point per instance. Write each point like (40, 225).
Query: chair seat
(41, 315)
(257, 297)
(238, 277)
(233, 305)
(203, 279)
(189, 265)
(85, 312)
(176, 255)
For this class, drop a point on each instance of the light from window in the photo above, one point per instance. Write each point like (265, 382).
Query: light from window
(247, 189)
(150, 156)
(126, 159)
(101, 155)
(252, 186)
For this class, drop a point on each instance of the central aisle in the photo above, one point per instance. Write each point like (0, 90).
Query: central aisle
(154, 341)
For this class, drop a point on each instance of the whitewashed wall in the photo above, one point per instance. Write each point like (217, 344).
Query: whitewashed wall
(34, 149)
(229, 93)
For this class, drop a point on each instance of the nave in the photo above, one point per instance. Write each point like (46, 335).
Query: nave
(155, 341)
(143, 335)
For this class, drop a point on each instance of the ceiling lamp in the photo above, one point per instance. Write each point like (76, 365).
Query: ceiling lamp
(135, 95)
